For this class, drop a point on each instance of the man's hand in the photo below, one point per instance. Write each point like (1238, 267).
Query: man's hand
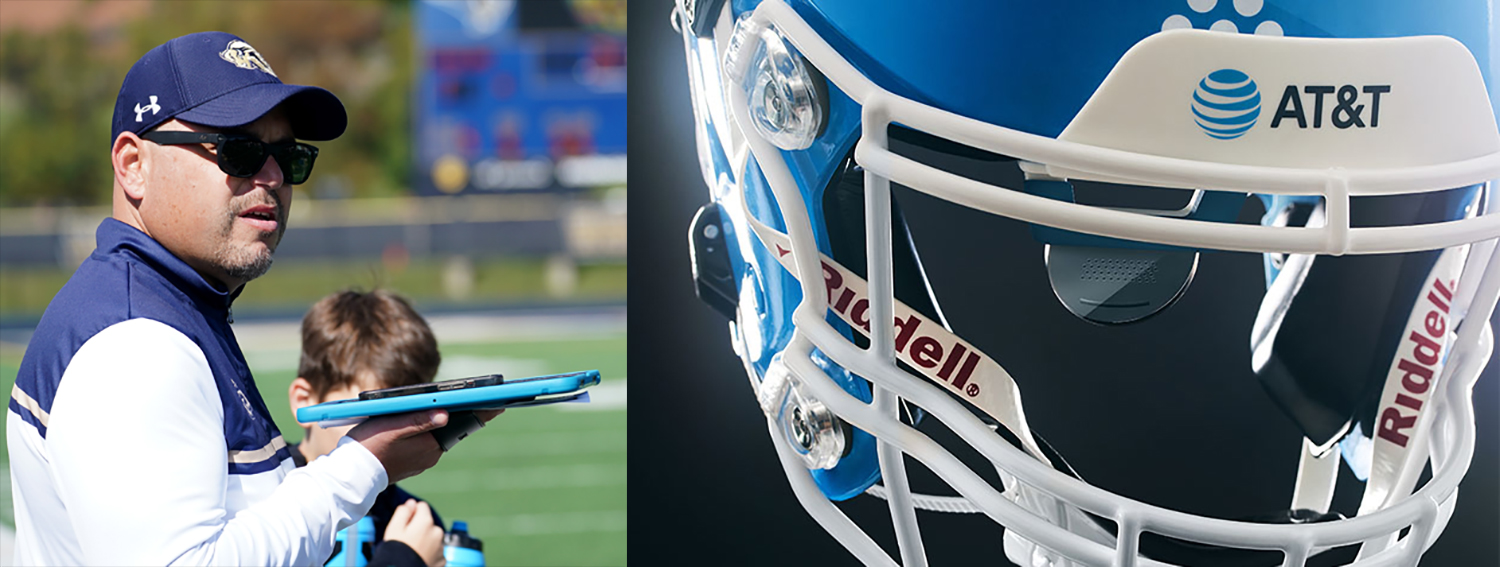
(412, 525)
(402, 442)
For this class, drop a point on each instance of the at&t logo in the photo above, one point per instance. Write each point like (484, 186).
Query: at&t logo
(1226, 104)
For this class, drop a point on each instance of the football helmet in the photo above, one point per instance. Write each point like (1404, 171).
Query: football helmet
(1348, 151)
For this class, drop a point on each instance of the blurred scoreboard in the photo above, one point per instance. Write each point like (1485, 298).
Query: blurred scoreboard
(519, 96)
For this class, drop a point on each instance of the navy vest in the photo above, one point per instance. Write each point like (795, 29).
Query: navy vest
(131, 276)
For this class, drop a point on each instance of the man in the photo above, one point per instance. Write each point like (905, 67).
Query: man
(136, 432)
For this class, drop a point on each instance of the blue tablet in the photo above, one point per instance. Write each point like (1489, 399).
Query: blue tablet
(485, 392)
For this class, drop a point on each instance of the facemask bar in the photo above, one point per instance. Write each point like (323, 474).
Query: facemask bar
(1452, 438)
(883, 349)
(1063, 160)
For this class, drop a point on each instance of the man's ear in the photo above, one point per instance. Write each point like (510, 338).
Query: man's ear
(131, 164)
(300, 394)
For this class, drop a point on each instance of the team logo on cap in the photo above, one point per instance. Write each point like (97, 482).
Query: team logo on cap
(245, 57)
(1226, 104)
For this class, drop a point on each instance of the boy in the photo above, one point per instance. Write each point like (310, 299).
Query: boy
(351, 342)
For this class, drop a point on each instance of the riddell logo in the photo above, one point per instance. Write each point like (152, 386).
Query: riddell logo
(1418, 367)
(954, 362)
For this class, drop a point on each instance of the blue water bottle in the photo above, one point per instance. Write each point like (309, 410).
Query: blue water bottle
(354, 545)
(462, 549)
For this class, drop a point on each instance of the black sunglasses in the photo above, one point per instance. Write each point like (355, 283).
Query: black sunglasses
(243, 156)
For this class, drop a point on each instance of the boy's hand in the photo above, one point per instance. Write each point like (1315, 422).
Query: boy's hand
(402, 442)
(412, 525)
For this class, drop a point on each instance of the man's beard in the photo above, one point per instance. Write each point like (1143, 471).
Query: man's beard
(242, 263)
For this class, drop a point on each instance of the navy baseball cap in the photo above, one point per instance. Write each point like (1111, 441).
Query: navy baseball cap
(216, 79)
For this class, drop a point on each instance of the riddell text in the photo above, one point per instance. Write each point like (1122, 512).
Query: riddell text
(1418, 367)
(955, 362)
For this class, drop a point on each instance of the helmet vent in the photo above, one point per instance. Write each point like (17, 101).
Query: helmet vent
(1119, 270)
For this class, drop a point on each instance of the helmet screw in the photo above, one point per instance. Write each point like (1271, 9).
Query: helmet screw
(801, 429)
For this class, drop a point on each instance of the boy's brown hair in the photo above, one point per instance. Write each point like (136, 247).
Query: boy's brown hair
(351, 333)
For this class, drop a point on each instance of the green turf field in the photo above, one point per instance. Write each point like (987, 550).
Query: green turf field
(539, 486)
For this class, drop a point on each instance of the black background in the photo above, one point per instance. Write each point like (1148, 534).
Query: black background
(705, 483)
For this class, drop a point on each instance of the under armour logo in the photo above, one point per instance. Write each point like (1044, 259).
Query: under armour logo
(153, 107)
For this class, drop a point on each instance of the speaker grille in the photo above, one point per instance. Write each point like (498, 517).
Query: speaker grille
(1119, 270)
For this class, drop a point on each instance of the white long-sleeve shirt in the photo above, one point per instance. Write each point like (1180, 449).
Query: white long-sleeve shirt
(148, 448)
